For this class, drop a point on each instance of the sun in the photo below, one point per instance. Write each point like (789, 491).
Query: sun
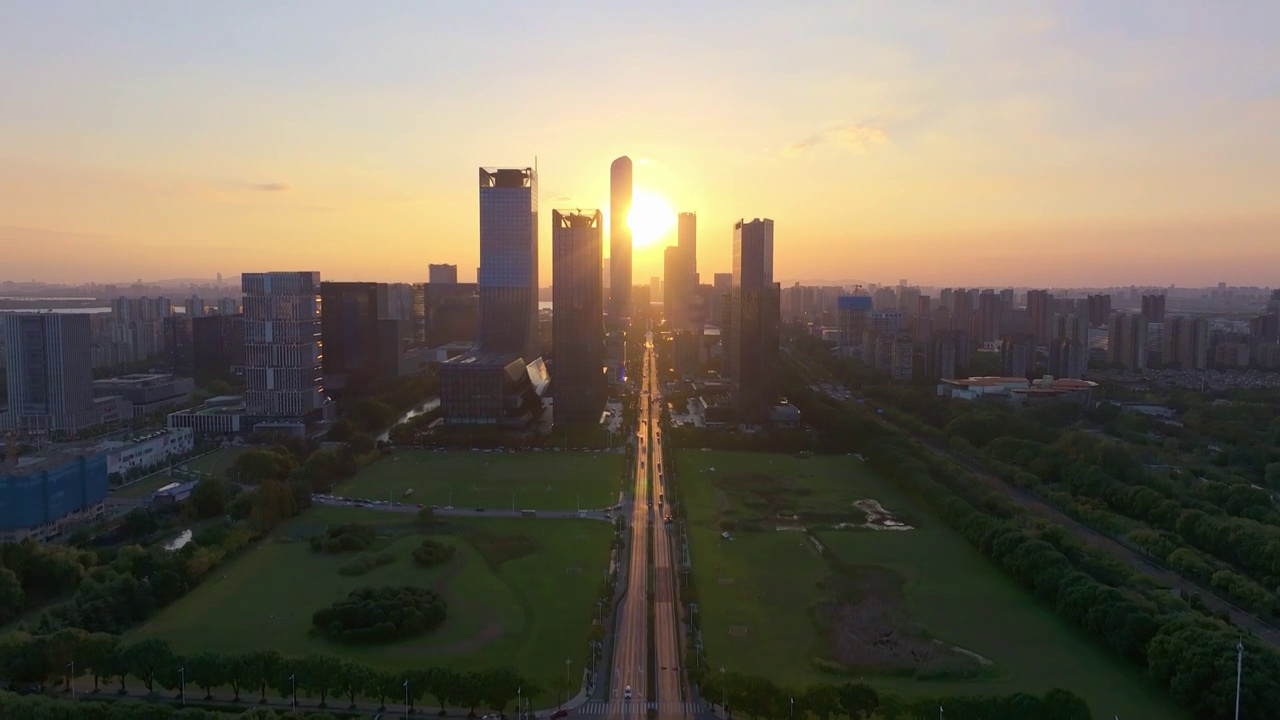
(651, 219)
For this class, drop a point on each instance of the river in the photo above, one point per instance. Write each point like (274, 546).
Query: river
(414, 412)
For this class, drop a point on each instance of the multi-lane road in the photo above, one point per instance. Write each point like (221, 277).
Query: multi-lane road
(637, 664)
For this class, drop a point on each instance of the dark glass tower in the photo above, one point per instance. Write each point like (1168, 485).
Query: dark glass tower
(577, 319)
(509, 262)
(755, 316)
(619, 241)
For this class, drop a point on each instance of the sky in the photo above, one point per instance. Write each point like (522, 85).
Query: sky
(1003, 143)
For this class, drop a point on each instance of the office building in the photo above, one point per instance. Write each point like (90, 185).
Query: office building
(147, 393)
(499, 381)
(620, 242)
(1018, 355)
(48, 372)
(1186, 343)
(852, 315)
(687, 239)
(679, 286)
(179, 350)
(282, 346)
(1128, 341)
(450, 313)
(577, 315)
(217, 346)
(41, 497)
(1153, 308)
(755, 314)
(1040, 308)
(442, 274)
(356, 350)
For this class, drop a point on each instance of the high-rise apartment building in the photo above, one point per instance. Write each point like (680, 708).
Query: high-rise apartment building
(755, 313)
(852, 313)
(442, 274)
(990, 317)
(577, 315)
(1153, 308)
(1186, 342)
(1099, 309)
(1127, 340)
(1018, 355)
(620, 241)
(1040, 308)
(48, 372)
(282, 370)
(179, 351)
(947, 355)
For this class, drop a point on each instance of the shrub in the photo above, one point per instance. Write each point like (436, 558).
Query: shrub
(344, 539)
(381, 614)
(432, 553)
(365, 562)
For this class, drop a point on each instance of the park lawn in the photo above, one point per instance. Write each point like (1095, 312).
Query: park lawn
(216, 462)
(950, 589)
(506, 609)
(537, 480)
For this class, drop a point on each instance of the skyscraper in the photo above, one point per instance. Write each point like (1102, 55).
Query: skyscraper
(619, 240)
(1040, 309)
(1099, 309)
(1186, 342)
(1153, 308)
(677, 287)
(755, 315)
(282, 346)
(1018, 355)
(509, 262)
(1127, 340)
(442, 274)
(354, 350)
(687, 239)
(50, 380)
(990, 314)
(577, 315)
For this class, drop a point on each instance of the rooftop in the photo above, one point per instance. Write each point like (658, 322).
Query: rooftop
(134, 380)
(988, 381)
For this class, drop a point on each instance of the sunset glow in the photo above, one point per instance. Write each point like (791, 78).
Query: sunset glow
(651, 219)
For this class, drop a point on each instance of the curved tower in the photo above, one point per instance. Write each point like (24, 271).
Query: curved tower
(619, 242)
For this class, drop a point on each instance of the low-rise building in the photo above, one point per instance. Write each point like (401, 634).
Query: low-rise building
(222, 415)
(41, 496)
(146, 450)
(975, 388)
(1017, 390)
(147, 393)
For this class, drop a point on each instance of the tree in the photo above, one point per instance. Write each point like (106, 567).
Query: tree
(210, 496)
(208, 670)
(440, 682)
(261, 668)
(426, 516)
(252, 467)
(353, 681)
(96, 655)
(320, 674)
(12, 596)
(858, 700)
(822, 700)
(500, 687)
(145, 658)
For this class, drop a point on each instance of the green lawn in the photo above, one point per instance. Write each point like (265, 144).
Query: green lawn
(143, 488)
(538, 481)
(216, 462)
(766, 582)
(521, 595)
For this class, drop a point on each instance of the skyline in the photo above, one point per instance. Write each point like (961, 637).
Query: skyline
(1067, 145)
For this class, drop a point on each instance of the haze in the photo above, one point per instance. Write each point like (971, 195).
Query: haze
(1070, 143)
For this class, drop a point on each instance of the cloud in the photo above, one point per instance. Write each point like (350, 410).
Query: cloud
(272, 187)
(854, 138)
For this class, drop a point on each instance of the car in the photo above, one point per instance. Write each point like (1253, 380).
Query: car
(420, 505)
(561, 713)
(626, 694)
(479, 509)
(435, 507)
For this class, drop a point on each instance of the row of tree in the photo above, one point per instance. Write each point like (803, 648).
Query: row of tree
(41, 707)
(42, 660)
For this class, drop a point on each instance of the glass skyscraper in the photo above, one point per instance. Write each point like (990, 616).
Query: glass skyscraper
(282, 356)
(755, 315)
(577, 319)
(509, 262)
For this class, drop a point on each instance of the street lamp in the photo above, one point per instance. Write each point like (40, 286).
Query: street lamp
(567, 682)
(1239, 668)
(724, 692)
(406, 697)
(71, 682)
(293, 689)
(182, 682)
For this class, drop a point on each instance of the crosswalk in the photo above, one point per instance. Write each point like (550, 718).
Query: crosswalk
(636, 708)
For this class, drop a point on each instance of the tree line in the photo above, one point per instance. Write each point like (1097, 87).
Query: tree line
(40, 707)
(39, 661)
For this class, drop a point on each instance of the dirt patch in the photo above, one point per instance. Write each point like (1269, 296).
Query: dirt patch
(864, 620)
(766, 501)
(877, 518)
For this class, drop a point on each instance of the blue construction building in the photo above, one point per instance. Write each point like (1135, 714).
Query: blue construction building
(41, 496)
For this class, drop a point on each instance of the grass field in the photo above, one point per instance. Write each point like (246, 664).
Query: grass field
(767, 582)
(142, 488)
(521, 595)
(538, 481)
(216, 462)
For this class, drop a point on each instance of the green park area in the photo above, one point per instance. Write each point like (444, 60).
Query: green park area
(521, 593)
(528, 480)
(816, 584)
(214, 463)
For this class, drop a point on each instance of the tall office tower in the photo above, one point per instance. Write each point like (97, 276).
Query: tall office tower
(853, 311)
(721, 287)
(50, 380)
(687, 238)
(577, 315)
(1186, 342)
(755, 312)
(217, 346)
(990, 314)
(509, 262)
(620, 241)
(1099, 309)
(1018, 355)
(442, 274)
(1040, 307)
(1127, 341)
(355, 351)
(677, 297)
(282, 348)
(1153, 307)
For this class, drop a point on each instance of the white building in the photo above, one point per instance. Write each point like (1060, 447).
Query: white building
(146, 450)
